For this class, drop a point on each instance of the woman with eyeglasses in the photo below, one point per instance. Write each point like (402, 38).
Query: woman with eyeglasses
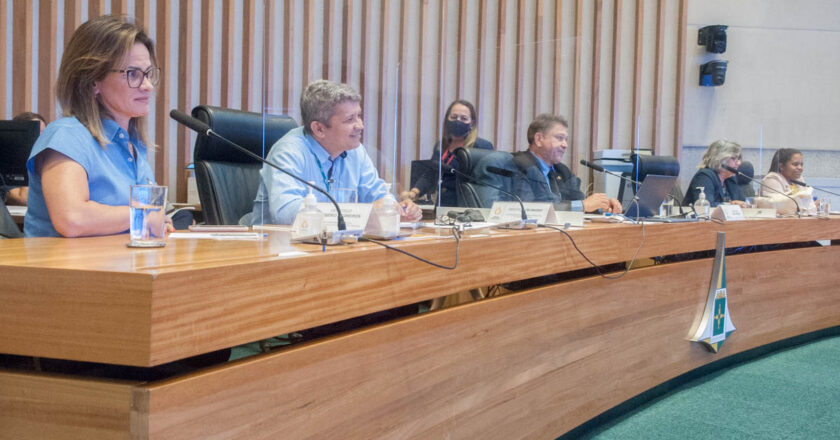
(718, 182)
(82, 165)
(459, 131)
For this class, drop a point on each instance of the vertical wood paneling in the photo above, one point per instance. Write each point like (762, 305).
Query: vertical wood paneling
(162, 99)
(22, 57)
(501, 79)
(72, 18)
(637, 72)
(408, 60)
(576, 113)
(227, 79)
(96, 8)
(119, 7)
(595, 95)
(4, 55)
(558, 57)
(680, 85)
(207, 79)
(249, 55)
(185, 82)
(616, 72)
(47, 64)
(658, 78)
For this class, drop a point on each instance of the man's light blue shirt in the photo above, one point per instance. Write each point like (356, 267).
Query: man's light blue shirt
(110, 170)
(279, 196)
(576, 205)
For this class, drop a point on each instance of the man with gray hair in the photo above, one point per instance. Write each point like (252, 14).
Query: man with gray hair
(326, 150)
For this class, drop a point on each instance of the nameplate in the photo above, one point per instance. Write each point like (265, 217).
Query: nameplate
(502, 212)
(355, 215)
(728, 213)
(759, 212)
(572, 218)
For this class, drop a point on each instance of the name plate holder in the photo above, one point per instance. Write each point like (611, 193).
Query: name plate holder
(730, 213)
(509, 214)
(759, 212)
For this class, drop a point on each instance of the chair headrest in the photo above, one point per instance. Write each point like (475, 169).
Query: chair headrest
(660, 165)
(254, 131)
(746, 167)
(468, 158)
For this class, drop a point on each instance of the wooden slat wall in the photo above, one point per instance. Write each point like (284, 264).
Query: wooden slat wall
(512, 58)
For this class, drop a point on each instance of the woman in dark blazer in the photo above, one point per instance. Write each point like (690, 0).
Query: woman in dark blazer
(719, 183)
(459, 131)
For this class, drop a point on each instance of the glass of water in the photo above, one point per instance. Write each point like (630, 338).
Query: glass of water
(824, 207)
(147, 206)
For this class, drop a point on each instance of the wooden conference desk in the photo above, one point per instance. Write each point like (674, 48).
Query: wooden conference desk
(535, 363)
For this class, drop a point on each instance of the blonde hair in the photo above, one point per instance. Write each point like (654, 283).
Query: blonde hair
(718, 152)
(97, 47)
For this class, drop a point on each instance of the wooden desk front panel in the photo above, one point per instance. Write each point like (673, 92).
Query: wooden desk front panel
(93, 299)
(529, 365)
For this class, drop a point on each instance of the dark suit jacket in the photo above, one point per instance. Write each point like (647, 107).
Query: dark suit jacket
(532, 186)
(708, 179)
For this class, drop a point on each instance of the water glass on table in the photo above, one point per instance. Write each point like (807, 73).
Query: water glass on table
(147, 205)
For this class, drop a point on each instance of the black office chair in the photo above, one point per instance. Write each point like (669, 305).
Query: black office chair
(228, 179)
(657, 165)
(8, 227)
(745, 182)
(472, 161)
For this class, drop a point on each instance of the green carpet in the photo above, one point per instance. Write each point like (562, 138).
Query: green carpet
(788, 394)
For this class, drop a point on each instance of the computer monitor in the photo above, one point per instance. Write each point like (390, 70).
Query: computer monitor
(16, 141)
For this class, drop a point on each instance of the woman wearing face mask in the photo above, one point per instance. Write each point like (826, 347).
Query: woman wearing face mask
(784, 176)
(459, 131)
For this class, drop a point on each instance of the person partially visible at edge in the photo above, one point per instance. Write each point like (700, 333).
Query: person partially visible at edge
(785, 176)
(460, 130)
(82, 165)
(546, 178)
(18, 195)
(326, 150)
(718, 183)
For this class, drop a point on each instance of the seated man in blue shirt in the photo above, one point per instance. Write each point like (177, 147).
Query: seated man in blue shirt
(546, 179)
(326, 150)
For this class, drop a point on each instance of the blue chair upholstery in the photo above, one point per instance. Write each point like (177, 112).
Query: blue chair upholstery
(657, 165)
(227, 179)
(474, 162)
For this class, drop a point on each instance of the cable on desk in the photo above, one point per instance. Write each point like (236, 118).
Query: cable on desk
(455, 232)
(597, 267)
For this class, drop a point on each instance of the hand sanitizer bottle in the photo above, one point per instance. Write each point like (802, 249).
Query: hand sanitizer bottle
(387, 211)
(701, 205)
(309, 219)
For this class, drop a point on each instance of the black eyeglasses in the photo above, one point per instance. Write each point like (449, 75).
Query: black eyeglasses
(135, 76)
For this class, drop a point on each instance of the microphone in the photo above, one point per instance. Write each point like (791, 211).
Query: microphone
(202, 128)
(523, 224)
(735, 170)
(797, 182)
(500, 171)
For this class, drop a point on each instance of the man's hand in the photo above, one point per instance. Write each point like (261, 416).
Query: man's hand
(410, 195)
(601, 201)
(410, 212)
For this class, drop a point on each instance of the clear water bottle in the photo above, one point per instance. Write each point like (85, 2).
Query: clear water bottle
(309, 220)
(701, 205)
(387, 210)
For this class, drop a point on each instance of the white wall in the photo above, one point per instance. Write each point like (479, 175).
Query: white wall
(781, 89)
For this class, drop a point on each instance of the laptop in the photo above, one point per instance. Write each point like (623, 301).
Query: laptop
(651, 193)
